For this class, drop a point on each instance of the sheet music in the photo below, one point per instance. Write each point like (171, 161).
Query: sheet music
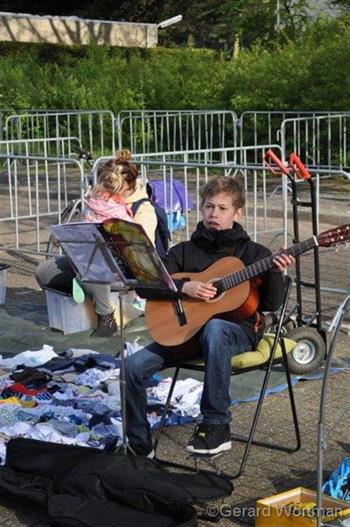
(137, 252)
(115, 250)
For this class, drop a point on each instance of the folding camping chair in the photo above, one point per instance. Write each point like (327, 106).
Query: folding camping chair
(272, 349)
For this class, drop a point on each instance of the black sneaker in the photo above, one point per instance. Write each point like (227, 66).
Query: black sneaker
(210, 439)
(106, 326)
(143, 450)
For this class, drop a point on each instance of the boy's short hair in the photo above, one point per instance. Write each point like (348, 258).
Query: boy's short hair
(225, 184)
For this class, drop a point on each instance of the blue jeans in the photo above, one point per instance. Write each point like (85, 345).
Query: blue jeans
(217, 343)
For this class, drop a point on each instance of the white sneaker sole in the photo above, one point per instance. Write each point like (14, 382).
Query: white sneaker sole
(217, 450)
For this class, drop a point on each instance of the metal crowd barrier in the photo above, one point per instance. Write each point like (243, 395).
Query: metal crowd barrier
(34, 192)
(6, 112)
(258, 127)
(57, 147)
(93, 128)
(320, 138)
(145, 131)
(224, 155)
(321, 141)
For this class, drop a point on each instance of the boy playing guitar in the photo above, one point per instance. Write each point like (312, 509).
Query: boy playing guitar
(219, 235)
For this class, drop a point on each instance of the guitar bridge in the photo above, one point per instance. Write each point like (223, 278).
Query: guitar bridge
(180, 313)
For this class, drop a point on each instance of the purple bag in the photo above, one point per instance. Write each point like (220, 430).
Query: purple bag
(172, 198)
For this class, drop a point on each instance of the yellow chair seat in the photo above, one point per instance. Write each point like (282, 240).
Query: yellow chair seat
(249, 359)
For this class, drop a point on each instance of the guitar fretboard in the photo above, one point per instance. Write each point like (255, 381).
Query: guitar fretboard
(261, 266)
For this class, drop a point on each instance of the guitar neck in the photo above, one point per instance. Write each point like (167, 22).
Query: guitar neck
(263, 265)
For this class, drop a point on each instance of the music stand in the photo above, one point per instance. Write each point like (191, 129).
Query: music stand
(120, 254)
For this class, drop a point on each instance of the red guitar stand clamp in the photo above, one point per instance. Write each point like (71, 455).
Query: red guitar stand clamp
(278, 168)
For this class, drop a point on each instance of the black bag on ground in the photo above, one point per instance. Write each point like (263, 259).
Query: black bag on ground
(79, 485)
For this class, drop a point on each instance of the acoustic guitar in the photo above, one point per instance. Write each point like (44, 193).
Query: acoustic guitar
(173, 322)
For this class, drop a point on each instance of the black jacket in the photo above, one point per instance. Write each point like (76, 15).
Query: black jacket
(207, 246)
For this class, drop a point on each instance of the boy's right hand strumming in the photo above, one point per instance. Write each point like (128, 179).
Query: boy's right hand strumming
(199, 290)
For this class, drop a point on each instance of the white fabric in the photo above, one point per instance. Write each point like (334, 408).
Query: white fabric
(93, 376)
(78, 352)
(44, 432)
(185, 399)
(2, 452)
(30, 358)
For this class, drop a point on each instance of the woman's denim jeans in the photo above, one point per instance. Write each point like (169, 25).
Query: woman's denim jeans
(218, 342)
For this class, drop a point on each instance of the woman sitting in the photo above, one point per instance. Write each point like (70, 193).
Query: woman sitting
(117, 188)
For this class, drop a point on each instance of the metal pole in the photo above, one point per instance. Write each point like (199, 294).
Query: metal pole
(336, 324)
(278, 16)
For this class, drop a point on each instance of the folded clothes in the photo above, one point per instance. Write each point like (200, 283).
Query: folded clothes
(54, 402)
(8, 415)
(18, 389)
(18, 402)
(30, 377)
(59, 364)
(90, 361)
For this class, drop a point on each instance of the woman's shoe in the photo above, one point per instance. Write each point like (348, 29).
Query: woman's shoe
(106, 326)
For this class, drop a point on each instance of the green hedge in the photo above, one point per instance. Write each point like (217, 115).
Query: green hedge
(42, 76)
(313, 74)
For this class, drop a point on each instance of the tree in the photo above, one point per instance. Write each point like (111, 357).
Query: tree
(343, 4)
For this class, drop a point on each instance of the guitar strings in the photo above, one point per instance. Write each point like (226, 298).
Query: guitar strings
(260, 266)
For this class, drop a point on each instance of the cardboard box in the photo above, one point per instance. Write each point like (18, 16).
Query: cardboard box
(282, 510)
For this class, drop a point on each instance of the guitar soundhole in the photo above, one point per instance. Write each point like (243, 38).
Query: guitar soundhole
(219, 294)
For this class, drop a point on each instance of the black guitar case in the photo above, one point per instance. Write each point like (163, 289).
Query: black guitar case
(85, 487)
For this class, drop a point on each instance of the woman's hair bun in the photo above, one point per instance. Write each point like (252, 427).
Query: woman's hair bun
(123, 155)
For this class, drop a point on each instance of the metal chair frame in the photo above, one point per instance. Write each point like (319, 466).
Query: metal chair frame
(267, 366)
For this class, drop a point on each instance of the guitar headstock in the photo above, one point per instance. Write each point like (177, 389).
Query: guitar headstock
(336, 236)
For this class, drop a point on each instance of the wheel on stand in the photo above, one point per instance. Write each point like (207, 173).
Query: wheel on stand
(271, 322)
(309, 352)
